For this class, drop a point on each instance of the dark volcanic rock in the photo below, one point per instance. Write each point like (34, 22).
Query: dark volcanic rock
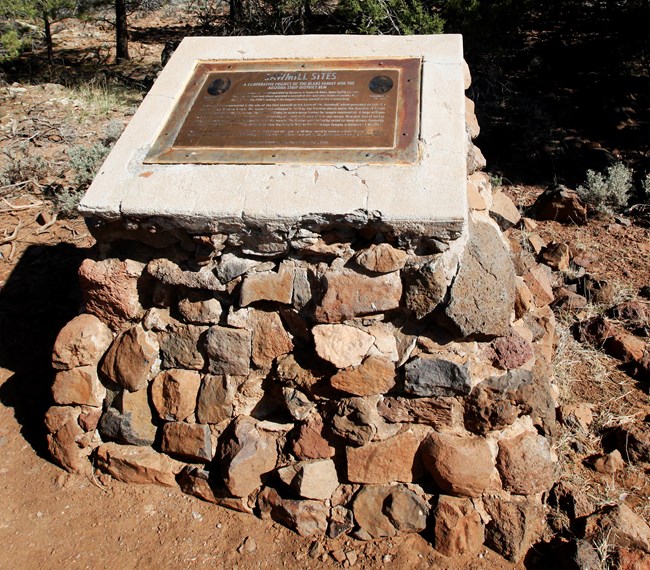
(436, 377)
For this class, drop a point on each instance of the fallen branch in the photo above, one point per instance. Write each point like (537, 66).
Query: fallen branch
(12, 236)
(14, 208)
(49, 224)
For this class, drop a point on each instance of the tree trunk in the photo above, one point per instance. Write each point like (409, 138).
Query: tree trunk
(121, 32)
(48, 37)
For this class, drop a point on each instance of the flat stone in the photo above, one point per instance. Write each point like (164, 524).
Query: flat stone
(132, 360)
(181, 347)
(82, 342)
(516, 525)
(382, 258)
(458, 527)
(382, 462)
(375, 375)
(245, 455)
(459, 465)
(368, 509)
(79, 386)
(215, 399)
(111, 290)
(308, 518)
(135, 418)
(267, 286)
(169, 273)
(200, 307)
(316, 479)
(557, 256)
(269, 338)
(425, 287)
(342, 345)
(435, 412)
(137, 464)
(232, 266)
(436, 377)
(538, 281)
(310, 443)
(229, 350)
(189, 441)
(483, 292)
(62, 441)
(503, 211)
(526, 464)
(349, 294)
(174, 392)
(406, 510)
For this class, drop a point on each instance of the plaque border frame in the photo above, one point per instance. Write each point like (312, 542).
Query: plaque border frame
(407, 122)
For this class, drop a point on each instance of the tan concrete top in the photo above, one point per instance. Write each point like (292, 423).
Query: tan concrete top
(429, 197)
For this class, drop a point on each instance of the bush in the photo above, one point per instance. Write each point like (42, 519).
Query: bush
(85, 161)
(389, 17)
(23, 169)
(607, 193)
(646, 189)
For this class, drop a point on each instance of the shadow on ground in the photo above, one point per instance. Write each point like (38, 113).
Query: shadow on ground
(40, 296)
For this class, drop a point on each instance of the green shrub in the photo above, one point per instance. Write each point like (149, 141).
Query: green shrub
(85, 161)
(389, 17)
(607, 193)
(646, 189)
(22, 168)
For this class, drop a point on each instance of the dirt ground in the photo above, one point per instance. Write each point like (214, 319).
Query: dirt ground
(51, 519)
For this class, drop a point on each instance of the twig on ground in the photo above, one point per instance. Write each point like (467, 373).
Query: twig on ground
(11, 237)
(49, 224)
(13, 208)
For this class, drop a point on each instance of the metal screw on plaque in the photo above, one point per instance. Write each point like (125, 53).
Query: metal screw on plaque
(381, 84)
(219, 86)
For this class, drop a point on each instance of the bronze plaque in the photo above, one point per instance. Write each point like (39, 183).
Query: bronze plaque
(324, 111)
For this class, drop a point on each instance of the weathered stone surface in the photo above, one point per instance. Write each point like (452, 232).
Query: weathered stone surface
(341, 521)
(557, 256)
(620, 526)
(578, 416)
(609, 463)
(62, 441)
(436, 377)
(307, 518)
(130, 420)
(459, 465)
(78, 386)
(436, 412)
(475, 159)
(269, 339)
(231, 266)
(503, 211)
(189, 441)
(515, 526)
(385, 341)
(181, 346)
(358, 421)
(169, 273)
(406, 510)
(229, 350)
(315, 479)
(572, 499)
(215, 399)
(498, 401)
(382, 462)
(483, 293)
(137, 464)
(626, 346)
(633, 441)
(368, 508)
(538, 281)
(132, 360)
(511, 351)
(375, 375)
(81, 342)
(89, 417)
(561, 205)
(526, 464)
(594, 330)
(298, 404)
(470, 119)
(310, 443)
(596, 290)
(110, 290)
(200, 307)
(174, 392)
(567, 300)
(201, 483)
(382, 258)
(458, 527)
(349, 294)
(246, 454)
(629, 559)
(267, 286)
(425, 287)
(475, 199)
(342, 345)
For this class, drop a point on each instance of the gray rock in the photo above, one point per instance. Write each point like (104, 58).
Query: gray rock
(483, 294)
(425, 287)
(232, 266)
(181, 347)
(436, 377)
(341, 521)
(406, 510)
(229, 350)
(368, 508)
(298, 405)
(307, 518)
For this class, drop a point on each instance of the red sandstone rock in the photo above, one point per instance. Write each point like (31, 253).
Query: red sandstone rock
(458, 527)
(315, 479)
(620, 526)
(561, 205)
(190, 441)
(81, 342)
(174, 392)
(138, 416)
(169, 273)
(342, 345)
(609, 463)
(386, 461)
(200, 307)
(229, 350)
(246, 454)
(523, 298)
(137, 464)
(110, 290)
(307, 518)
(526, 464)
(504, 211)
(269, 340)
(436, 412)
(89, 418)
(310, 444)
(538, 281)
(349, 294)
(368, 508)
(557, 256)
(130, 361)
(79, 386)
(625, 346)
(459, 465)
(382, 258)
(375, 375)
(267, 286)
(62, 441)
(215, 399)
